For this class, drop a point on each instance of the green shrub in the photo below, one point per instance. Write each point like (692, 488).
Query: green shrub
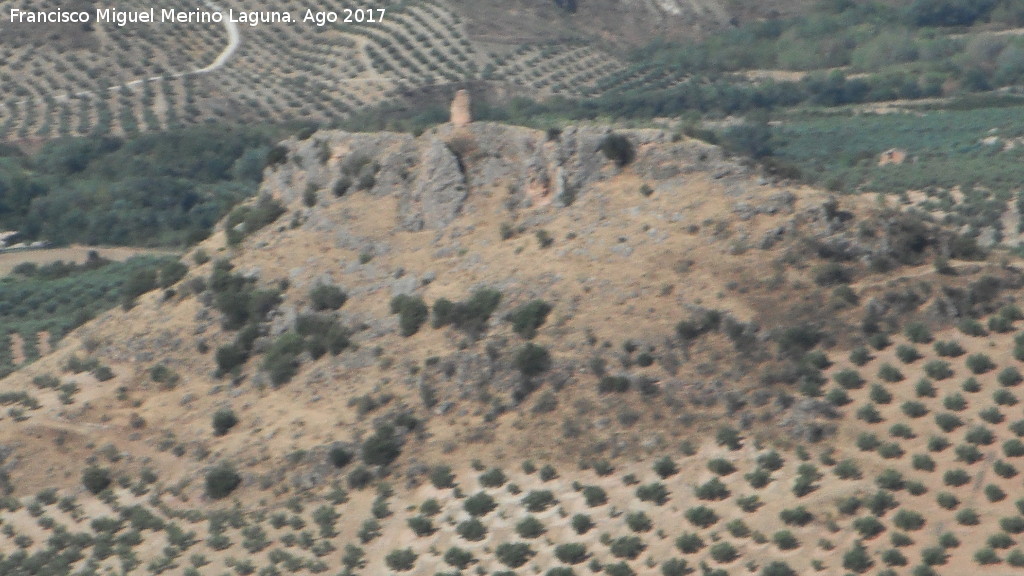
(728, 437)
(994, 493)
(327, 297)
(412, 313)
(470, 316)
(947, 501)
(595, 496)
(992, 415)
(401, 560)
(532, 360)
(979, 435)
(847, 470)
(901, 540)
(472, 530)
(665, 467)
(689, 543)
(221, 481)
(849, 379)
(701, 516)
(986, 556)
(421, 525)
(956, 477)
(618, 149)
(914, 409)
(890, 479)
(513, 554)
(1000, 541)
(713, 489)
(955, 402)
(538, 500)
(654, 492)
(949, 349)
(1010, 376)
(281, 361)
(738, 528)
(610, 384)
(923, 462)
(770, 460)
(229, 357)
(869, 414)
(857, 559)
(245, 220)
(908, 520)
(719, 467)
(868, 527)
(1004, 397)
(527, 318)
(339, 456)
(785, 540)
(901, 430)
(749, 503)
(617, 569)
(879, 395)
(798, 516)
(979, 363)
(224, 420)
(442, 477)
(581, 523)
(1013, 448)
(938, 370)
(382, 447)
(867, 442)
(679, 567)
(723, 552)
(1004, 469)
(777, 568)
(1016, 558)
(479, 504)
(972, 327)
(893, 557)
(530, 527)
(493, 478)
(918, 333)
(848, 506)
(837, 397)
(948, 422)
(571, 553)
(907, 354)
(968, 453)
(458, 558)
(96, 479)
(860, 356)
(628, 547)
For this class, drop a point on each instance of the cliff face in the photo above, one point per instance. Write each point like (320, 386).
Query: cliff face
(430, 176)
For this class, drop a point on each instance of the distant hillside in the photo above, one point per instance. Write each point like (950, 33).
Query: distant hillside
(66, 79)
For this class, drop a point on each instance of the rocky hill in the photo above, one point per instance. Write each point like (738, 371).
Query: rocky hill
(409, 309)
(630, 260)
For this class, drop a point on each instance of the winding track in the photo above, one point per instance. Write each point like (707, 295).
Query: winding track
(234, 41)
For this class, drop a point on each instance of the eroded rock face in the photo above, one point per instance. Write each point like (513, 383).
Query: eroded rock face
(431, 175)
(438, 193)
(460, 111)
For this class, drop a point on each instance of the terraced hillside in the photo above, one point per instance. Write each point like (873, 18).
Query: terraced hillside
(105, 79)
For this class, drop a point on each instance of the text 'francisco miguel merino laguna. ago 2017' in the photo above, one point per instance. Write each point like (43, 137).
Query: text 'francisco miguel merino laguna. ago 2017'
(152, 15)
